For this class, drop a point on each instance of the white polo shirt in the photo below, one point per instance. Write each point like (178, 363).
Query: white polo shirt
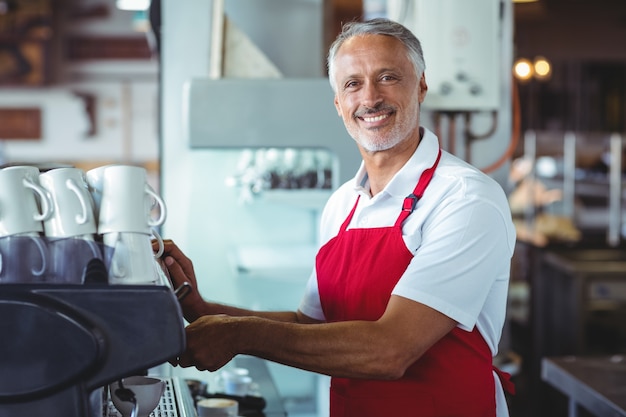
(461, 235)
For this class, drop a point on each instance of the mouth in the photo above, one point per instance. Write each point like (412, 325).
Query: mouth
(375, 118)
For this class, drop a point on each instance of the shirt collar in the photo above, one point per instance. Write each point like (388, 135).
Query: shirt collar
(423, 158)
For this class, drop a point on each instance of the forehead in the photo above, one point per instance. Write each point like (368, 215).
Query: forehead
(372, 51)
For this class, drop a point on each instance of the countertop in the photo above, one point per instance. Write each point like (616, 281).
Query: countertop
(596, 383)
(260, 374)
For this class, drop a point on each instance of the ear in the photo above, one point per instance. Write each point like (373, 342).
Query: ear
(336, 101)
(423, 89)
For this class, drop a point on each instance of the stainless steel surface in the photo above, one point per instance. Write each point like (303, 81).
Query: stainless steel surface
(530, 154)
(569, 174)
(615, 195)
(182, 291)
(599, 261)
(308, 119)
(597, 384)
(175, 402)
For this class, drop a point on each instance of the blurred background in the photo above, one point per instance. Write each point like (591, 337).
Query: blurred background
(226, 104)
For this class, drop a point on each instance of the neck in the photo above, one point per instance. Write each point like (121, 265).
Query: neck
(381, 166)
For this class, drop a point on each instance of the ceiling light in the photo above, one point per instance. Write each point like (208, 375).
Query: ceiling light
(132, 4)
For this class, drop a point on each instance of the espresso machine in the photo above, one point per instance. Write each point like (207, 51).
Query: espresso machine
(63, 341)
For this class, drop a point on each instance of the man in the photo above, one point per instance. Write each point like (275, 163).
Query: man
(406, 303)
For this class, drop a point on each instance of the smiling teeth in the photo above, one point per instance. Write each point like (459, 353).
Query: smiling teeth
(375, 119)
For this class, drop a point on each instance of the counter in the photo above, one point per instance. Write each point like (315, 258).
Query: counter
(596, 383)
(260, 375)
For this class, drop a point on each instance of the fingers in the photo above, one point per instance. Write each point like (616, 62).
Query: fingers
(185, 360)
(176, 273)
(208, 347)
(175, 260)
(171, 249)
(184, 263)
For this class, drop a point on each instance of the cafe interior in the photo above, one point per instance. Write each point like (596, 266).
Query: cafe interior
(532, 92)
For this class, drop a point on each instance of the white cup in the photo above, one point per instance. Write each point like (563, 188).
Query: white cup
(23, 259)
(217, 407)
(95, 180)
(148, 392)
(21, 197)
(130, 260)
(69, 258)
(72, 204)
(124, 199)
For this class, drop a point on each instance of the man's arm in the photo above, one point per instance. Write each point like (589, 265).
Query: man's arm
(381, 349)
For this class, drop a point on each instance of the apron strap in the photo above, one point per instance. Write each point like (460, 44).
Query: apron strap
(410, 201)
(348, 219)
(505, 380)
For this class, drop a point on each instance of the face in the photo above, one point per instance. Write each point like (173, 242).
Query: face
(378, 94)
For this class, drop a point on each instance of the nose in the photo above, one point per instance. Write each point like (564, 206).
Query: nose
(371, 95)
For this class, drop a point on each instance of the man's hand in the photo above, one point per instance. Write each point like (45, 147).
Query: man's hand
(180, 270)
(211, 342)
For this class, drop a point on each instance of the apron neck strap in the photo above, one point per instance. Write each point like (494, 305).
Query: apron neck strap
(411, 200)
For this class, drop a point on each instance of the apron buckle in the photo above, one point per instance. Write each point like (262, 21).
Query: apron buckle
(410, 201)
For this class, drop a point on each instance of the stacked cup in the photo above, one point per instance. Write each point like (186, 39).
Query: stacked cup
(125, 203)
(24, 204)
(71, 228)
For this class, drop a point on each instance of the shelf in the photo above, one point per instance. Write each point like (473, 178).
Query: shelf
(313, 199)
(586, 187)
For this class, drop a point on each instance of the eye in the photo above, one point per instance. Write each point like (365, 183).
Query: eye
(388, 77)
(351, 84)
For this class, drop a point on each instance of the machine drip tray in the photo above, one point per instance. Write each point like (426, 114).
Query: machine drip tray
(175, 402)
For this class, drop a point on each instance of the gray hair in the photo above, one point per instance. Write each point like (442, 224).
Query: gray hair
(378, 26)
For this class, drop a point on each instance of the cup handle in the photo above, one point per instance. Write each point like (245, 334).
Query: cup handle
(162, 210)
(46, 206)
(159, 239)
(82, 217)
(42, 251)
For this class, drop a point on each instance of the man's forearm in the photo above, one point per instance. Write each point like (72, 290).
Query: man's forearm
(209, 308)
(381, 349)
(355, 349)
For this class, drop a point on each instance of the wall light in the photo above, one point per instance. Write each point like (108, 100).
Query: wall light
(523, 69)
(542, 67)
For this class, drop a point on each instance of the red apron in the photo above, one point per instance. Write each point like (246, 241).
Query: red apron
(356, 272)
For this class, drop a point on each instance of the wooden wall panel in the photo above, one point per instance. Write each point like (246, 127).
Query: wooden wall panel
(336, 13)
(20, 123)
(92, 48)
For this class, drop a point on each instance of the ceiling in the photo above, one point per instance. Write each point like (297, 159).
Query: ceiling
(571, 29)
(614, 10)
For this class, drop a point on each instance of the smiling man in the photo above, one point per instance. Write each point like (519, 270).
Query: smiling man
(406, 303)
